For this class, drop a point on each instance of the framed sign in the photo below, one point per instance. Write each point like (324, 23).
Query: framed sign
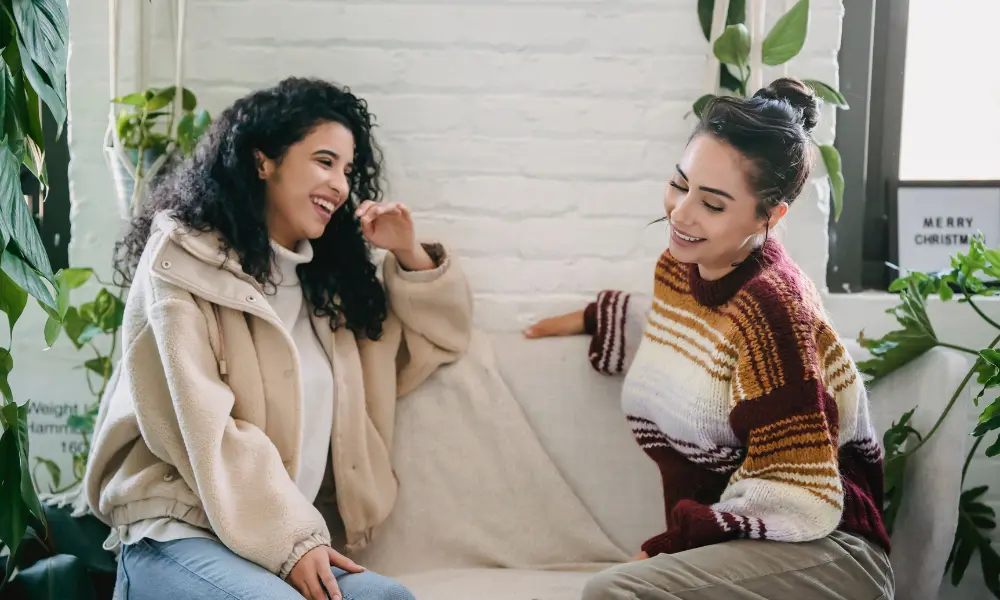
(935, 220)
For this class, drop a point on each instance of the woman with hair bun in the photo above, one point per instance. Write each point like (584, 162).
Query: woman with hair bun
(737, 386)
(245, 440)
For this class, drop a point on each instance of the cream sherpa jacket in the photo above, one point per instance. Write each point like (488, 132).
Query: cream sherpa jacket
(202, 419)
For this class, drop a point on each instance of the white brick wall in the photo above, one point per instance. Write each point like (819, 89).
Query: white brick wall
(535, 136)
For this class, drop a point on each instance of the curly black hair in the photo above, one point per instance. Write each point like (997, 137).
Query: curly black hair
(218, 189)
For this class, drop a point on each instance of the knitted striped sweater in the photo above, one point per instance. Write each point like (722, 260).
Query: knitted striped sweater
(744, 396)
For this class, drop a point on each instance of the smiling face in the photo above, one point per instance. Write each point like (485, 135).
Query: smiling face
(711, 208)
(308, 184)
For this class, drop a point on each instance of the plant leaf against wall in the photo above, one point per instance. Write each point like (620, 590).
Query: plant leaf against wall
(18, 226)
(42, 27)
(900, 346)
(786, 38)
(737, 13)
(831, 160)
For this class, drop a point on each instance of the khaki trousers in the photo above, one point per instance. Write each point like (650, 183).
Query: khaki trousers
(839, 567)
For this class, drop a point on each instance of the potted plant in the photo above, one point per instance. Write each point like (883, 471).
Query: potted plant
(146, 142)
(972, 277)
(781, 44)
(33, 69)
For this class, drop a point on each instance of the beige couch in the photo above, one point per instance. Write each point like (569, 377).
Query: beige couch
(519, 485)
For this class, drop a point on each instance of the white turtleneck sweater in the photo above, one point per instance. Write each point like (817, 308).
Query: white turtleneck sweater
(318, 397)
(314, 366)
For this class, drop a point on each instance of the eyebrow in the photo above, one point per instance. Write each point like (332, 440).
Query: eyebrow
(705, 188)
(329, 153)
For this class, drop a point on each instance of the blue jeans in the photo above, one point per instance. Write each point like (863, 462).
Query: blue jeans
(205, 569)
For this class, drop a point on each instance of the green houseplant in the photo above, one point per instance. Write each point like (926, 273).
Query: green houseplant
(83, 325)
(33, 34)
(781, 44)
(967, 282)
(148, 138)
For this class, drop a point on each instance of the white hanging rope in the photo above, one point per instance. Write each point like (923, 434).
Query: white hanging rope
(787, 7)
(114, 150)
(113, 20)
(179, 58)
(711, 83)
(140, 30)
(755, 19)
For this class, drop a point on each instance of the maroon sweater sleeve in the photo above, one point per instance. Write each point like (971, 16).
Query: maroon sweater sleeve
(610, 322)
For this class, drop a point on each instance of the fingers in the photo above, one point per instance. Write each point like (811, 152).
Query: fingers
(538, 330)
(313, 587)
(563, 325)
(339, 560)
(364, 208)
(330, 583)
(369, 211)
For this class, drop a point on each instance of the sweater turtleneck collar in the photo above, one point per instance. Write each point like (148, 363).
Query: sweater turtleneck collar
(719, 291)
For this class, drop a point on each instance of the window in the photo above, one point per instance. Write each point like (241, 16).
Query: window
(906, 66)
(950, 95)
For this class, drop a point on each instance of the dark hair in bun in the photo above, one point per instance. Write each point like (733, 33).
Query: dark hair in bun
(771, 129)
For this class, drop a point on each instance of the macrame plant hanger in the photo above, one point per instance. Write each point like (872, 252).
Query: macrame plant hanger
(115, 152)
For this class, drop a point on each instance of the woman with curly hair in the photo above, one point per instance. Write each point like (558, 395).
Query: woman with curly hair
(245, 439)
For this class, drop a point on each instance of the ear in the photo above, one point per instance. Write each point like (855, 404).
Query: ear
(777, 214)
(265, 166)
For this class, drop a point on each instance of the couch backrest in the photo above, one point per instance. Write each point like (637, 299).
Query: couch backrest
(576, 414)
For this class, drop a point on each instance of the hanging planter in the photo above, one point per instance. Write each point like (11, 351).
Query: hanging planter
(149, 131)
(144, 141)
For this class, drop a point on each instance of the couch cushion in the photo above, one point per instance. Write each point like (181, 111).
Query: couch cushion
(496, 584)
(577, 415)
(476, 488)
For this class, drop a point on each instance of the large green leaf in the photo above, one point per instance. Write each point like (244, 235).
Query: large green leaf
(68, 280)
(6, 366)
(79, 329)
(15, 122)
(706, 8)
(894, 442)
(7, 30)
(728, 81)
(827, 93)
(17, 223)
(34, 155)
(191, 127)
(976, 521)
(43, 35)
(17, 496)
(733, 46)
(14, 514)
(831, 159)
(51, 330)
(27, 278)
(13, 299)
(27, 489)
(900, 346)
(701, 103)
(101, 366)
(788, 36)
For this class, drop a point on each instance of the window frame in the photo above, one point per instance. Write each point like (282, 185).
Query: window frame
(872, 61)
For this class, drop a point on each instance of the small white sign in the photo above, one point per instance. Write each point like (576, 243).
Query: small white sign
(937, 222)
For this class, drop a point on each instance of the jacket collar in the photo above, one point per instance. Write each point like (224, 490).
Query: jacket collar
(194, 261)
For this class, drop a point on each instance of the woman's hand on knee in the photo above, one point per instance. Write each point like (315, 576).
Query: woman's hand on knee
(563, 325)
(312, 573)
